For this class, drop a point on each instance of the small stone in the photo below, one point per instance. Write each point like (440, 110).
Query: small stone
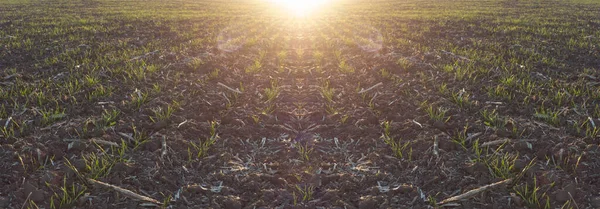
(123, 168)
(76, 146)
(278, 181)
(373, 190)
(523, 146)
(253, 186)
(562, 196)
(571, 189)
(595, 202)
(232, 202)
(225, 190)
(541, 153)
(4, 202)
(82, 200)
(28, 188)
(405, 188)
(549, 177)
(151, 145)
(592, 148)
(532, 171)
(57, 153)
(516, 199)
(194, 189)
(37, 196)
(439, 125)
(520, 164)
(503, 133)
(448, 145)
(345, 204)
(79, 164)
(49, 177)
(315, 180)
(475, 168)
(330, 194)
(170, 56)
(429, 56)
(269, 195)
(559, 154)
(367, 202)
(160, 125)
(330, 178)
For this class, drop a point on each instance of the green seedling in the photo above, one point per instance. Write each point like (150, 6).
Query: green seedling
(461, 137)
(304, 151)
(273, 92)
(385, 73)
(501, 165)
(306, 192)
(254, 68)
(50, 116)
(443, 89)
(461, 98)
(478, 151)
(163, 114)
(166, 201)
(404, 63)
(437, 114)
(533, 196)
(344, 119)
(91, 80)
(67, 196)
(492, 119)
(199, 149)
(568, 164)
(195, 63)
(109, 118)
(214, 74)
(156, 88)
(331, 109)
(547, 115)
(500, 92)
(139, 137)
(256, 119)
(345, 67)
(318, 57)
(99, 92)
(267, 110)
(98, 165)
(327, 92)
(387, 128)
(138, 98)
(281, 58)
(398, 148)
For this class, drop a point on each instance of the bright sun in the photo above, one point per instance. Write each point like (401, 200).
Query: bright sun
(300, 8)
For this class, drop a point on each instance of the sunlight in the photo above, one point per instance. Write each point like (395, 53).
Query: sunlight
(300, 8)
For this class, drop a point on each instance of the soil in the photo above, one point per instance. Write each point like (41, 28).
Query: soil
(256, 161)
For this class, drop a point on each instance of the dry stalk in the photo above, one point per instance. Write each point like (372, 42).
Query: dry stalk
(370, 88)
(473, 192)
(125, 192)
(229, 88)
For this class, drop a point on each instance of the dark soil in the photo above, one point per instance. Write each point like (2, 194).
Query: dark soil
(256, 160)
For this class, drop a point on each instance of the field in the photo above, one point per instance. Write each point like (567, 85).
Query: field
(246, 104)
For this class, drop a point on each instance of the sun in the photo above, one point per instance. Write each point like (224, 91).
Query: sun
(300, 8)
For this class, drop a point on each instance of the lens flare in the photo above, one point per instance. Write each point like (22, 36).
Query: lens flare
(231, 38)
(299, 8)
(368, 38)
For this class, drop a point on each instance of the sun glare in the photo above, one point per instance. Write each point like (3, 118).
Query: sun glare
(299, 8)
